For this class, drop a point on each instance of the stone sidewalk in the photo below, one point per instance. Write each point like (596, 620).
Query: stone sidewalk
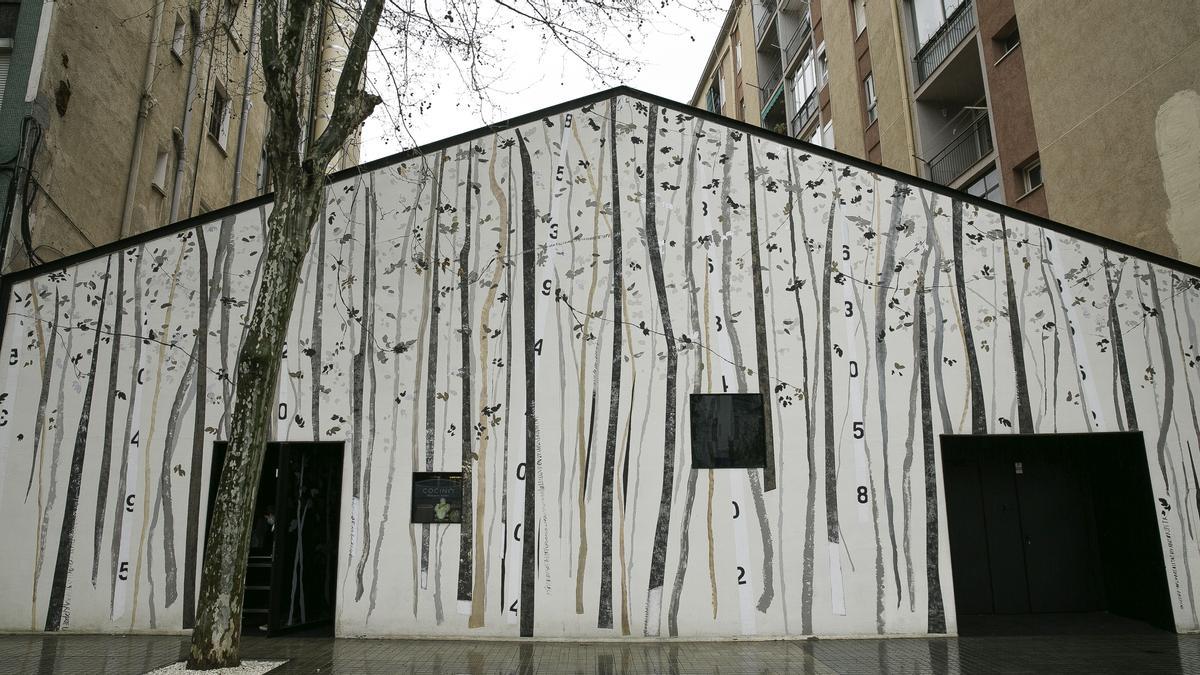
(1132, 653)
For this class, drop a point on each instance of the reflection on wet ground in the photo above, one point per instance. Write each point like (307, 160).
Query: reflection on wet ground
(1142, 653)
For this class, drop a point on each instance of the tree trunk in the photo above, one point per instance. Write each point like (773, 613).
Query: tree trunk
(216, 637)
(978, 412)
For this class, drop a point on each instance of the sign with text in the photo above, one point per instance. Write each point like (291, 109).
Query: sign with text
(437, 498)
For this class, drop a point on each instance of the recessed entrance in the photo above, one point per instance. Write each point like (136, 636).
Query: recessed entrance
(1054, 533)
(291, 570)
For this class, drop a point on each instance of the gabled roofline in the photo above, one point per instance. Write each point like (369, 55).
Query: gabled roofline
(622, 90)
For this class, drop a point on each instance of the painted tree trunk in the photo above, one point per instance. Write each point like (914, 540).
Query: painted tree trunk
(529, 294)
(832, 527)
(465, 554)
(1024, 409)
(56, 611)
(114, 371)
(658, 555)
(1118, 346)
(604, 618)
(978, 407)
(887, 268)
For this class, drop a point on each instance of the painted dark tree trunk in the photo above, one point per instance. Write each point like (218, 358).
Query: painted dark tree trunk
(760, 325)
(1168, 372)
(529, 294)
(56, 612)
(605, 616)
(1118, 346)
(196, 466)
(44, 394)
(1024, 409)
(315, 346)
(126, 438)
(882, 289)
(978, 408)
(360, 470)
(432, 239)
(114, 371)
(935, 609)
(694, 317)
(806, 575)
(833, 528)
(658, 555)
(465, 533)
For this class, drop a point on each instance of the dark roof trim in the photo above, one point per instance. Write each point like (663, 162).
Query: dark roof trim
(383, 162)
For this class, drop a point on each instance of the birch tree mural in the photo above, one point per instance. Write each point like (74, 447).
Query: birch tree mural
(526, 307)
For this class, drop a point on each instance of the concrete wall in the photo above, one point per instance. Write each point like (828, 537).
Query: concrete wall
(833, 291)
(1108, 77)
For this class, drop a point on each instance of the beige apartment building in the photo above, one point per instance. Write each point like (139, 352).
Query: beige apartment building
(1086, 112)
(125, 115)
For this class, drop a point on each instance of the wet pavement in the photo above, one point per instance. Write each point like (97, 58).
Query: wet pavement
(1129, 653)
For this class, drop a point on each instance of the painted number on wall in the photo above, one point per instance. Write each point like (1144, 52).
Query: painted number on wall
(862, 494)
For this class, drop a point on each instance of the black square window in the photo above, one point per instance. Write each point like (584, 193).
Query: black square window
(727, 431)
(437, 498)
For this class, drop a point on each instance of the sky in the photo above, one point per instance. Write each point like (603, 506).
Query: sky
(672, 55)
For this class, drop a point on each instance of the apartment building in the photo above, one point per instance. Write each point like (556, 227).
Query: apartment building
(730, 85)
(1017, 101)
(122, 116)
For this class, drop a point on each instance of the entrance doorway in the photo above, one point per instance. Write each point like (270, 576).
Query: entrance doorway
(291, 570)
(1054, 533)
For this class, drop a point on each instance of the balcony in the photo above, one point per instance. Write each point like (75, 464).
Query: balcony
(799, 39)
(963, 151)
(805, 112)
(940, 45)
(770, 76)
(764, 20)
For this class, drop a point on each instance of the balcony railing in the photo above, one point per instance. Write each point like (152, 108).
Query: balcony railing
(944, 40)
(963, 152)
(804, 112)
(764, 20)
(796, 43)
(772, 75)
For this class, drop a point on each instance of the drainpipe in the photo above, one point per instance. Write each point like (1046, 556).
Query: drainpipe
(241, 142)
(197, 20)
(139, 130)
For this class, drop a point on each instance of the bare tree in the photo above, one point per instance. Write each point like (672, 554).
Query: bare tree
(405, 37)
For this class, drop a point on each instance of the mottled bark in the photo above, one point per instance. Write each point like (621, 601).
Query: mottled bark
(1168, 372)
(299, 187)
(465, 555)
(832, 527)
(604, 618)
(658, 554)
(529, 293)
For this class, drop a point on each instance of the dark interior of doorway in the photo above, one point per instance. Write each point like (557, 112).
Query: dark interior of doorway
(1054, 534)
(291, 570)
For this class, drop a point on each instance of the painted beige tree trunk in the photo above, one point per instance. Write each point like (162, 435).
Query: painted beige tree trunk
(299, 186)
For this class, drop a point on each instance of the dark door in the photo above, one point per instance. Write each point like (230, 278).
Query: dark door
(291, 568)
(303, 580)
(1054, 524)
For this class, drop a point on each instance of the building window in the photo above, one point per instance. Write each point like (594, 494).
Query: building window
(1032, 175)
(177, 38)
(822, 65)
(928, 16)
(218, 122)
(160, 171)
(860, 16)
(872, 102)
(721, 87)
(987, 186)
(827, 135)
(1008, 39)
(9, 11)
(728, 431)
(737, 52)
